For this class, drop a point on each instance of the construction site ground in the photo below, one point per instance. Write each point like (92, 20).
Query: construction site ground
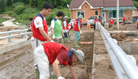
(18, 64)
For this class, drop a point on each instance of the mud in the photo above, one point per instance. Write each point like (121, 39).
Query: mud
(18, 64)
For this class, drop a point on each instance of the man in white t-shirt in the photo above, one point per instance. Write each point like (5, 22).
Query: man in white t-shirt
(40, 29)
(56, 28)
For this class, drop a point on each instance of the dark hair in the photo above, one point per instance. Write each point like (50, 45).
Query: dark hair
(47, 6)
(31, 19)
(60, 13)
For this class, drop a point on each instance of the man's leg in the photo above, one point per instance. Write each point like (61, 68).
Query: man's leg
(35, 43)
(77, 37)
(56, 40)
(53, 75)
(42, 62)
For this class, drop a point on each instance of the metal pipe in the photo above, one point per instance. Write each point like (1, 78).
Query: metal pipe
(130, 69)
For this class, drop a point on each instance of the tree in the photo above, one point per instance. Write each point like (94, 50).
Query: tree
(34, 3)
(9, 2)
(2, 6)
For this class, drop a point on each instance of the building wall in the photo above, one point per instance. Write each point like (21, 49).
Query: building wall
(135, 12)
(127, 13)
(91, 12)
(87, 12)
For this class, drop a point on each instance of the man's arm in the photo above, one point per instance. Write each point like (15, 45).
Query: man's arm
(79, 27)
(41, 29)
(56, 68)
(52, 31)
(73, 72)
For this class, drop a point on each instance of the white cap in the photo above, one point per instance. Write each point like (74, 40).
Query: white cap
(79, 54)
(65, 17)
(80, 16)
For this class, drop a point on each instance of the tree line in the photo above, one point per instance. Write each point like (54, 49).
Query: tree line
(34, 3)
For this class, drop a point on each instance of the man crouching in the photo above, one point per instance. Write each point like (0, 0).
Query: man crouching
(50, 55)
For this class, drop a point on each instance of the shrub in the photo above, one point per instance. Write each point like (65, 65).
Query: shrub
(30, 10)
(50, 17)
(19, 9)
(10, 13)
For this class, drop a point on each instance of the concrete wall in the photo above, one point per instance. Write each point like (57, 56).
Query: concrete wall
(14, 45)
(129, 47)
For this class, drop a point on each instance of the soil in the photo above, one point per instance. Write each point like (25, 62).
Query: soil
(18, 64)
(121, 36)
(83, 71)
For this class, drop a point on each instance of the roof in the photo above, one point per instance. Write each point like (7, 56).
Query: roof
(100, 3)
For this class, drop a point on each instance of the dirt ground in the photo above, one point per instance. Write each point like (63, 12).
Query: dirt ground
(121, 36)
(83, 71)
(18, 64)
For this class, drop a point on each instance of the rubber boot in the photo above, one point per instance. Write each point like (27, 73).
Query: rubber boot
(53, 77)
(37, 73)
(108, 28)
(64, 39)
(68, 39)
(112, 29)
(76, 44)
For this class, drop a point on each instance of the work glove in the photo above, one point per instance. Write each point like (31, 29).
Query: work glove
(53, 37)
(61, 77)
(80, 32)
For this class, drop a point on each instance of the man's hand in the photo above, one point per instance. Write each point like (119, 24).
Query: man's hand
(62, 35)
(53, 36)
(80, 32)
(61, 77)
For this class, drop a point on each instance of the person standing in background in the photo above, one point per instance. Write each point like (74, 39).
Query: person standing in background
(124, 20)
(77, 30)
(56, 28)
(65, 27)
(95, 20)
(111, 23)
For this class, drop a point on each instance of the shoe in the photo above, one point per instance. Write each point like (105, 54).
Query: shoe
(76, 44)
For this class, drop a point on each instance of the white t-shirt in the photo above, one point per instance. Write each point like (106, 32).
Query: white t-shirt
(53, 23)
(38, 22)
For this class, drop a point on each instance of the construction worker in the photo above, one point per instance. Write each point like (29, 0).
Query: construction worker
(111, 23)
(100, 19)
(95, 20)
(65, 27)
(124, 20)
(51, 54)
(40, 29)
(77, 30)
(57, 31)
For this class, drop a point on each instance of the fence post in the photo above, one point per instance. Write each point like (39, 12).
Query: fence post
(25, 36)
(9, 38)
